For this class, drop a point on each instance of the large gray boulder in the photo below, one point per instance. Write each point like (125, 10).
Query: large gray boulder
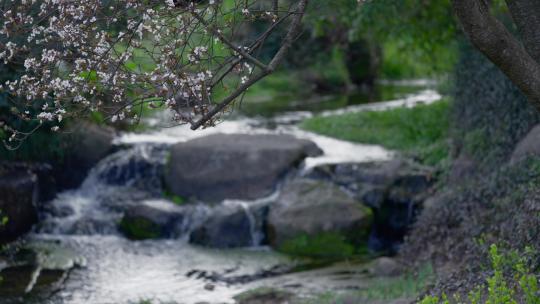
(395, 190)
(528, 146)
(309, 208)
(18, 199)
(234, 166)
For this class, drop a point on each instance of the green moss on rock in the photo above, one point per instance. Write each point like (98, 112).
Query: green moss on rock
(178, 200)
(324, 246)
(138, 228)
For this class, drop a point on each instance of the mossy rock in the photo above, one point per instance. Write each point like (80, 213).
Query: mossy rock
(318, 219)
(139, 228)
(323, 246)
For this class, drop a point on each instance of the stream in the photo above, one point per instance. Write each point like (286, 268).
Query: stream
(113, 269)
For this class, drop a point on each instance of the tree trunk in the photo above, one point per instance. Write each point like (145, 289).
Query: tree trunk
(526, 15)
(494, 40)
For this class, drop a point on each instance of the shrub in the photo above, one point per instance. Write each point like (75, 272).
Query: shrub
(511, 282)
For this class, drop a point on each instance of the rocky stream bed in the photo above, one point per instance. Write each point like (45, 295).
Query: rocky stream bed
(175, 216)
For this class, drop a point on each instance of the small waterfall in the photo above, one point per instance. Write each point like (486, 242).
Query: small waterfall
(256, 235)
(126, 177)
(130, 178)
(139, 167)
(255, 213)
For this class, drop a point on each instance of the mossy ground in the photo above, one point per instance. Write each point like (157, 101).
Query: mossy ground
(421, 131)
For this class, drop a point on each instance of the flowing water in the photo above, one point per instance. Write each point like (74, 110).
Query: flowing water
(116, 270)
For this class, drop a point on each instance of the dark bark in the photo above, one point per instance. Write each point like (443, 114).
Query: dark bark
(526, 15)
(494, 40)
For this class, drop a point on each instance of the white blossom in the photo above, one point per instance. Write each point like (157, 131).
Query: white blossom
(77, 57)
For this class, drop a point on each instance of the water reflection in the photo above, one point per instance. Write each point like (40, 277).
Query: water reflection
(270, 107)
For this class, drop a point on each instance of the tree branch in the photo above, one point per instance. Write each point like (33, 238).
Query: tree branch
(221, 106)
(494, 40)
(294, 29)
(222, 38)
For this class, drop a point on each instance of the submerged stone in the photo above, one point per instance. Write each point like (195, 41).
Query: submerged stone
(153, 219)
(230, 227)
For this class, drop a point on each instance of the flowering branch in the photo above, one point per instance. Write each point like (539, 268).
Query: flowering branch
(72, 58)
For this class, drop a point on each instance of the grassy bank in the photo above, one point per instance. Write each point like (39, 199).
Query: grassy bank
(421, 131)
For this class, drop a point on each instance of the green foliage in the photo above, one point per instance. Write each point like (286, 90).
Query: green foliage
(421, 31)
(512, 281)
(139, 228)
(430, 300)
(400, 60)
(422, 129)
(327, 72)
(97, 118)
(332, 71)
(324, 246)
(277, 86)
(3, 220)
(418, 38)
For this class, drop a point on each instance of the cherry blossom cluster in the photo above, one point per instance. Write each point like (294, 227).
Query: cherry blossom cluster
(119, 56)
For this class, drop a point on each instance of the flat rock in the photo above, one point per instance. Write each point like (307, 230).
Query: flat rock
(37, 269)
